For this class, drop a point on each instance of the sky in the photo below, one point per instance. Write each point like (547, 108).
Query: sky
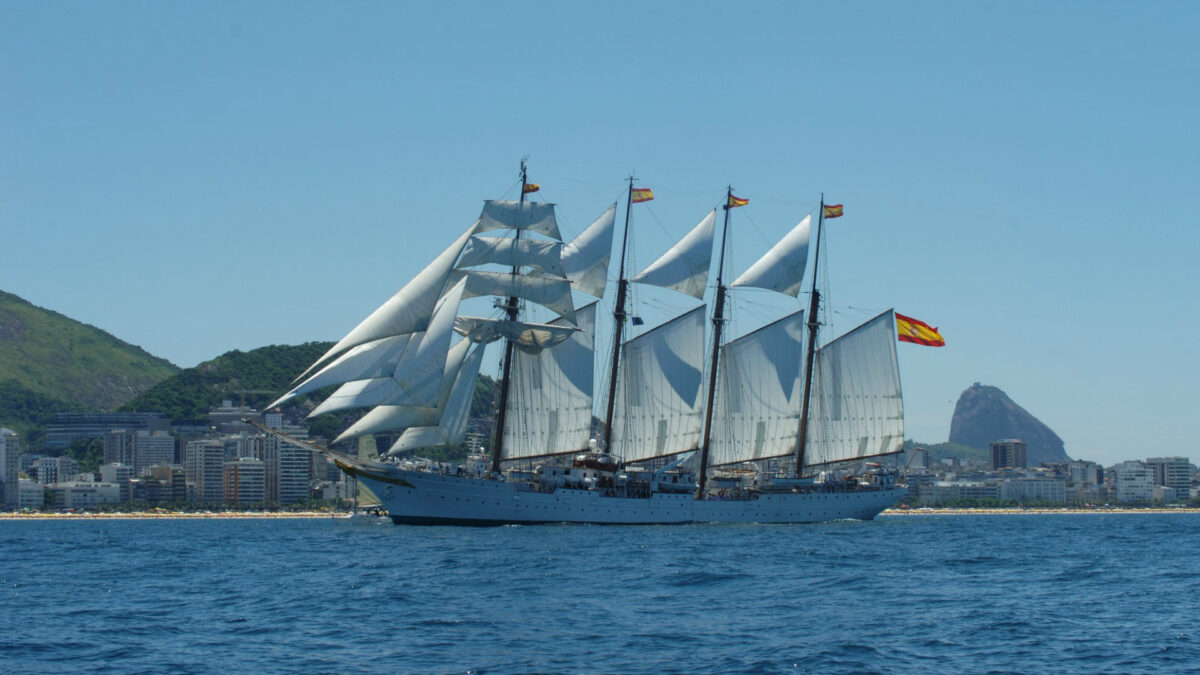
(200, 177)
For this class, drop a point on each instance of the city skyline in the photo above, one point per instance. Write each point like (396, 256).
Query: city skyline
(196, 179)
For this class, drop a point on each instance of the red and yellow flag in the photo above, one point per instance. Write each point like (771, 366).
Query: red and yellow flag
(912, 330)
(833, 210)
(735, 202)
(642, 195)
(531, 187)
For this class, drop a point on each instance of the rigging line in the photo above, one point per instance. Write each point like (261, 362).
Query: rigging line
(689, 191)
(579, 181)
(654, 216)
(758, 231)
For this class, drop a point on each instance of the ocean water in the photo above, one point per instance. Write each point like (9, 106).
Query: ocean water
(1072, 593)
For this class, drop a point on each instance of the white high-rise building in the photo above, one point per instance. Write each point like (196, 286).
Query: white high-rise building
(1085, 473)
(119, 475)
(56, 469)
(289, 471)
(202, 466)
(1134, 482)
(1172, 472)
(33, 494)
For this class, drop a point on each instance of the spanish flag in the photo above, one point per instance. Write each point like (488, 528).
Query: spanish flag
(912, 330)
(833, 211)
(642, 195)
(735, 202)
(531, 187)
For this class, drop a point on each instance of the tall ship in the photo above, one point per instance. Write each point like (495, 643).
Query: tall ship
(767, 427)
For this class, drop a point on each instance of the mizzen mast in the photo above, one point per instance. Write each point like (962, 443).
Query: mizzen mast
(813, 324)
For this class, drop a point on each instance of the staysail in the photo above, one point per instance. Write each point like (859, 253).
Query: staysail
(417, 375)
(410, 309)
(373, 359)
(550, 409)
(585, 258)
(782, 268)
(857, 408)
(684, 267)
(393, 417)
(451, 428)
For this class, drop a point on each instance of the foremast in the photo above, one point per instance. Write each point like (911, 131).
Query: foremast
(813, 324)
(718, 323)
(618, 326)
(511, 310)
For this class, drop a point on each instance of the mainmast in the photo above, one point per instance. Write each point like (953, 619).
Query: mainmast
(510, 309)
(618, 326)
(813, 307)
(718, 321)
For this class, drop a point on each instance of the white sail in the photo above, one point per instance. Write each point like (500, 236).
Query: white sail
(550, 400)
(422, 367)
(452, 426)
(371, 359)
(659, 398)
(410, 309)
(684, 267)
(782, 268)
(358, 394)
(554, 294)
(392, 417)
(760, 394)
(533, 216)
(526, 336)
(416, 378)
(856, 409)
(537, 253)
(585, 258)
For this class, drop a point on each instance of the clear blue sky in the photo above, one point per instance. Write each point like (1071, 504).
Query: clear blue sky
(200, 177)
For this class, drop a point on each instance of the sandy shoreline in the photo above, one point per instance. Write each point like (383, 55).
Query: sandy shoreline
(292, 515)
(156, 515)
(1030, 511)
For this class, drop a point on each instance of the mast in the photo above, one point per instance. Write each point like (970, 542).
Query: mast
(618, 326)
(813, 307)
(510, 309)
(718, 321)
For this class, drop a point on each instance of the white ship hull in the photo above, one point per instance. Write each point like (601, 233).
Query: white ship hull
(418, 497)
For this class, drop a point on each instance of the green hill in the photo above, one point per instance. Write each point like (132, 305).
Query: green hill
(255, 378)
(258, 377)
(49, 362)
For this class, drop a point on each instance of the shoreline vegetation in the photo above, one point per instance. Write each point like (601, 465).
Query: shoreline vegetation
(291, 515)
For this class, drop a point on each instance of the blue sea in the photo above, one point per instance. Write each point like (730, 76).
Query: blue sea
(1071, 593)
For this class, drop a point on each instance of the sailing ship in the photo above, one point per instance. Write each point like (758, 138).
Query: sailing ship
(756, 436)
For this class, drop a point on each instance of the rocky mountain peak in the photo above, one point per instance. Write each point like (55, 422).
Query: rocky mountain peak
(985, 414)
